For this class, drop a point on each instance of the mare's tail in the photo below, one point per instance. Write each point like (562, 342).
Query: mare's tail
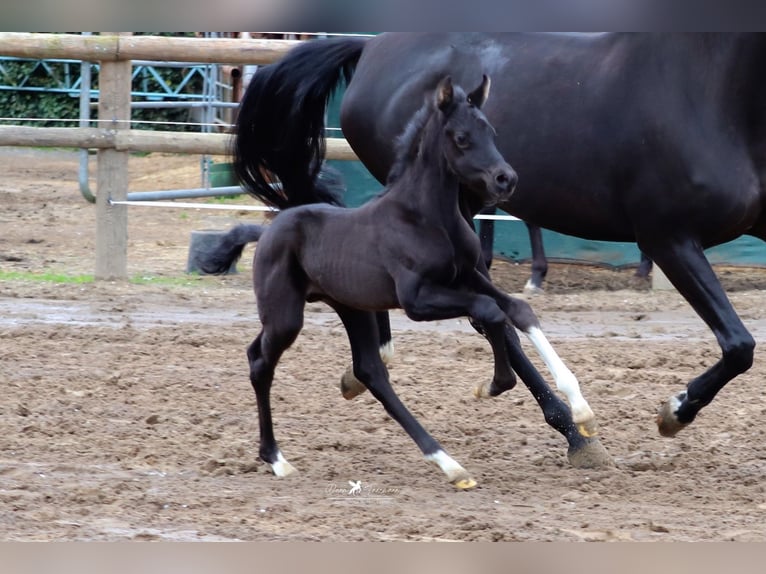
(218, 259)
(280, 126)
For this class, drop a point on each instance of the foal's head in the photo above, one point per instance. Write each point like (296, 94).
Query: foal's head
(463, 136)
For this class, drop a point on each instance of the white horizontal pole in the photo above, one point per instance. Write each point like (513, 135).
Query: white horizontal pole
(189, 205)
(226, 207)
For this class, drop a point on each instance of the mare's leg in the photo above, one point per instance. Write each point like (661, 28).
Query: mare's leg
(280, 328)
(350, 386)
(687, 268)
(371, 371)
(644, 266)
(539, 261)
(487, 235)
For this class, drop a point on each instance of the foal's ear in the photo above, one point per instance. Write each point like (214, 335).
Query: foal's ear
(480, 94)
(444, 93)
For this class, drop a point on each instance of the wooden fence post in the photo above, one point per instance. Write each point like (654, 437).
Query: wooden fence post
(112, 178)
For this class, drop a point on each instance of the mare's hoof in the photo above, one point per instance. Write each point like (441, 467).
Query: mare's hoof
(667, 423)
(533, 289)
(466, 483)
(591, 454)
(350, 386)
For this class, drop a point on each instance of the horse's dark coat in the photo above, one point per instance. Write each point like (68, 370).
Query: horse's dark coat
(408, 248)
(653, 138)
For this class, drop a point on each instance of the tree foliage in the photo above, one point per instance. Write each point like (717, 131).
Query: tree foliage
(34, 89)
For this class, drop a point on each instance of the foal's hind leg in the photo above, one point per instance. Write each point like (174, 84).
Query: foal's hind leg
(371, 371)
(350, 386)
(263, 356)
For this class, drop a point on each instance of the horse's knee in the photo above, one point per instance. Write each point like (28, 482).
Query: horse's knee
(522, 316)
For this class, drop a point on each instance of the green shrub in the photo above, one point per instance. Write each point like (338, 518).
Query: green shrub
(50, 102)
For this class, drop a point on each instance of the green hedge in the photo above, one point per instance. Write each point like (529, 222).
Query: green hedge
(41, 104)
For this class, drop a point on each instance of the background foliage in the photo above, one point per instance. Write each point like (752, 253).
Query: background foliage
(58, 105)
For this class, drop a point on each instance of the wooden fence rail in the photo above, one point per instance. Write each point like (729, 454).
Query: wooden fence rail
(129, 140)
(113, 52)
(113, 48)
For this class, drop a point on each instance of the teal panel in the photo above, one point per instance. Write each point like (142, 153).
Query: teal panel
(512, 239)
(743, 251)
(512, 242)
(360, 185)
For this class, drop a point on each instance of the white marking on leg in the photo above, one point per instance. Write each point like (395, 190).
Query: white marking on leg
(674, 403)
(566, 382)
(530, 287)
(387, 352)
(449, 466)
(281, 467)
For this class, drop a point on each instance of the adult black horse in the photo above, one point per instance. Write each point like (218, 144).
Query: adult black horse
(654, 138)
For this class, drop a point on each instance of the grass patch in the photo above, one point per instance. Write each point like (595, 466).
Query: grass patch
(46, 277)
(226, 199)
(63, 278)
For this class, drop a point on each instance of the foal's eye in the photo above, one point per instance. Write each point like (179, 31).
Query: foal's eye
(461, 140)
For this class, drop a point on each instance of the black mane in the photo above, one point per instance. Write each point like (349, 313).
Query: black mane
(408, 143)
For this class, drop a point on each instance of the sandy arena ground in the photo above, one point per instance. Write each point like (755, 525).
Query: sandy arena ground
(127, 413)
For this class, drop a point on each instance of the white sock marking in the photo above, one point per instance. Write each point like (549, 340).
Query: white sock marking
(281, 467)
(449, 465)
(387, 352)
(566, 382)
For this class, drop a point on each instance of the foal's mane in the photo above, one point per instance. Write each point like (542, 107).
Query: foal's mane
(408, 142)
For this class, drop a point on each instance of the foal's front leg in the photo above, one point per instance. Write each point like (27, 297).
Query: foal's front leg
(428, 301)
(578, 425)
(523, 318)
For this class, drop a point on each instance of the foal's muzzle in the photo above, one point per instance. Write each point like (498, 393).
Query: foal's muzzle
(504, 180)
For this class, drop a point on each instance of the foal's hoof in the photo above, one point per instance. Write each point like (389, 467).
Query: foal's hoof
(350, 386)
(588, 428)
(466, 483)
(591, 454)
(456, 474)
(492, 389)
(667, 422)
(281, 468)
(482, 391)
